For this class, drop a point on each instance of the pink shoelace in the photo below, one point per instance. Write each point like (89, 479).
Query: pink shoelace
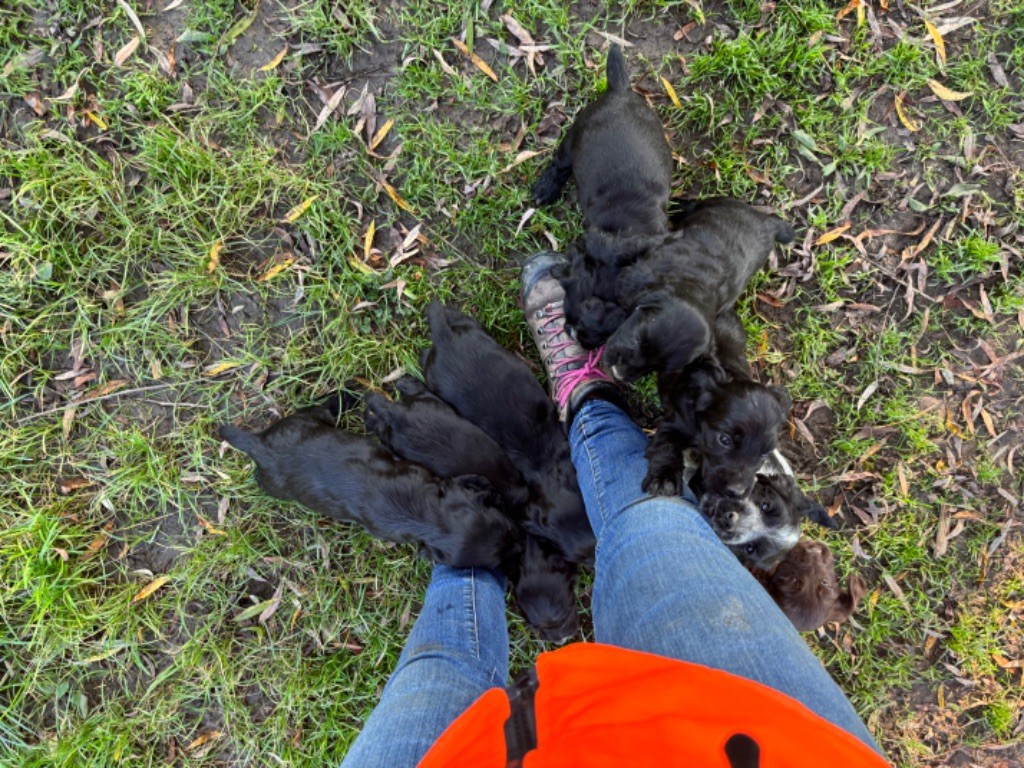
(589, 368)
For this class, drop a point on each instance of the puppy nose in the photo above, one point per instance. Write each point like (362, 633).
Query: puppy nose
(736, 491)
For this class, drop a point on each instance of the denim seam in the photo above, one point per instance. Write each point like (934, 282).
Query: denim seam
(473, 621)
(595, 467)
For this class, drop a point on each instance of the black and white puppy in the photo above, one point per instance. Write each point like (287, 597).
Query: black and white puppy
(683, 280)
(761, 527)
(716, 406)
(305, 458)
(616, 151)
(493, 389)
(424, 429)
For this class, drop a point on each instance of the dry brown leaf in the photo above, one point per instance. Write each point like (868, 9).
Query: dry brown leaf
(849, 8)
(946, 94)
(940, 44)
(274, 62)
(106, 389)
(71, 484)
(203, 739)
(67, 421)
(150, 588)
(328, 110)
(477, 61)
(989, 423)
(97, 544)
(172, 5)
(831, 235)
(909, 124)
(869, 390)
(521, 157)
(37, 104)
(126, 51)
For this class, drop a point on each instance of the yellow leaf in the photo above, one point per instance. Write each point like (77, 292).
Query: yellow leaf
(99, 121)
(103, 654)
(399, 201)
(368, 240)
(275, 270)
(378, 137)
(477, 61)
(848, 8)
(355, 263)
(106, 389)
(150, 588)
(671, 93)
(299, 209)
(272, 64)
(946, 94)
(208, 736)
(126, 50)
(834, 234)
(209, 527)
(219, 368)
(214, 260)
(940, 44)
(909, 124)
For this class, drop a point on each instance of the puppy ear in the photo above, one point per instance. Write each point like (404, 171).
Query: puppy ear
(813, 511)
(408, 386)
(428, 552)
(847, 602)
(783, 398)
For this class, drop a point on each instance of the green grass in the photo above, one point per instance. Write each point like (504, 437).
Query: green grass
(106, 237)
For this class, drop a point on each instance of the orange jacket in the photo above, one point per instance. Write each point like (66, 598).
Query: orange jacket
(590, 706)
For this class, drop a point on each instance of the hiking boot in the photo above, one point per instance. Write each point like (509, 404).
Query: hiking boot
(574, 373)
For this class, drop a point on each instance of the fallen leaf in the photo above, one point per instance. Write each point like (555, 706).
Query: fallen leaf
(328, 110)
(831, 235)
(172, 5)
(207, 526)
(940, 44)
(399, 200)
(37, 104)
(208, 736)
(253, 610)
(105, 654)
(869, 390)
(849, 8)
(298, 210)
(989, 424)
(275, 270)
(67, 421)
(98, 121)
(133, 17)
(909, 124)
(150, 588)
(274, 62)
(946, 94)
(368, 240)
(525, 218)
(1005, 663)
(126, 51)
(106, 389)
(97, 544)
(236, 30)
(521, 157)
(68, 94)
(214, 259)
(671, 93)
(477, 61)
(360, 266)
(218, 368)
(378, 137)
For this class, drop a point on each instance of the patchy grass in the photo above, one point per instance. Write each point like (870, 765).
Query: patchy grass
(184, 245)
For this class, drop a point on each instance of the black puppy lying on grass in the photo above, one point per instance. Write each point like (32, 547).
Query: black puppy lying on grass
(305, 458)
(683, 280)
(423, 429)
(616, 151)
(493, 389)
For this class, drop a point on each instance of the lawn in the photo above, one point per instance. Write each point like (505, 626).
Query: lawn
(214, 210)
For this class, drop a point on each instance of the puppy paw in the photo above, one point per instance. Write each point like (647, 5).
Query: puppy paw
(548, 187)
(661, 485)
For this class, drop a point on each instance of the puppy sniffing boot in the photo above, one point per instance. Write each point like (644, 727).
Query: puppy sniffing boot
(574, 373)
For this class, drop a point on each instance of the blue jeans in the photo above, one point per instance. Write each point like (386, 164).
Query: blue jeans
(663, 583)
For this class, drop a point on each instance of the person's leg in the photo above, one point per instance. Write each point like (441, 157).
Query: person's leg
(664, 583)
(457, 649)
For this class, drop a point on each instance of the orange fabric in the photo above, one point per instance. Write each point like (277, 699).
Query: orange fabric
(598, 705)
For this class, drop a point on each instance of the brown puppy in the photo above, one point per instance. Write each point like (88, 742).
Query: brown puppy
(351, 478)
(804, 586)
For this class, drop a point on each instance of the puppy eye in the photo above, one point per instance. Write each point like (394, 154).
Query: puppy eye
(751, 548)
(725, 440)
(765, 506)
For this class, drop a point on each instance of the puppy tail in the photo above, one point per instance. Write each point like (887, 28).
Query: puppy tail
(243, 440)
(618, 76)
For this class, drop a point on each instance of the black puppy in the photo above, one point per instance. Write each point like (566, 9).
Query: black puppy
(716, 406)
(305, 458)
(683, 281)
(423, 429)
(764, 525)
(617, 153)
(494, 390)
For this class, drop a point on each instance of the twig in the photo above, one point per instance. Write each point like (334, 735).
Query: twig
(88, 400)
